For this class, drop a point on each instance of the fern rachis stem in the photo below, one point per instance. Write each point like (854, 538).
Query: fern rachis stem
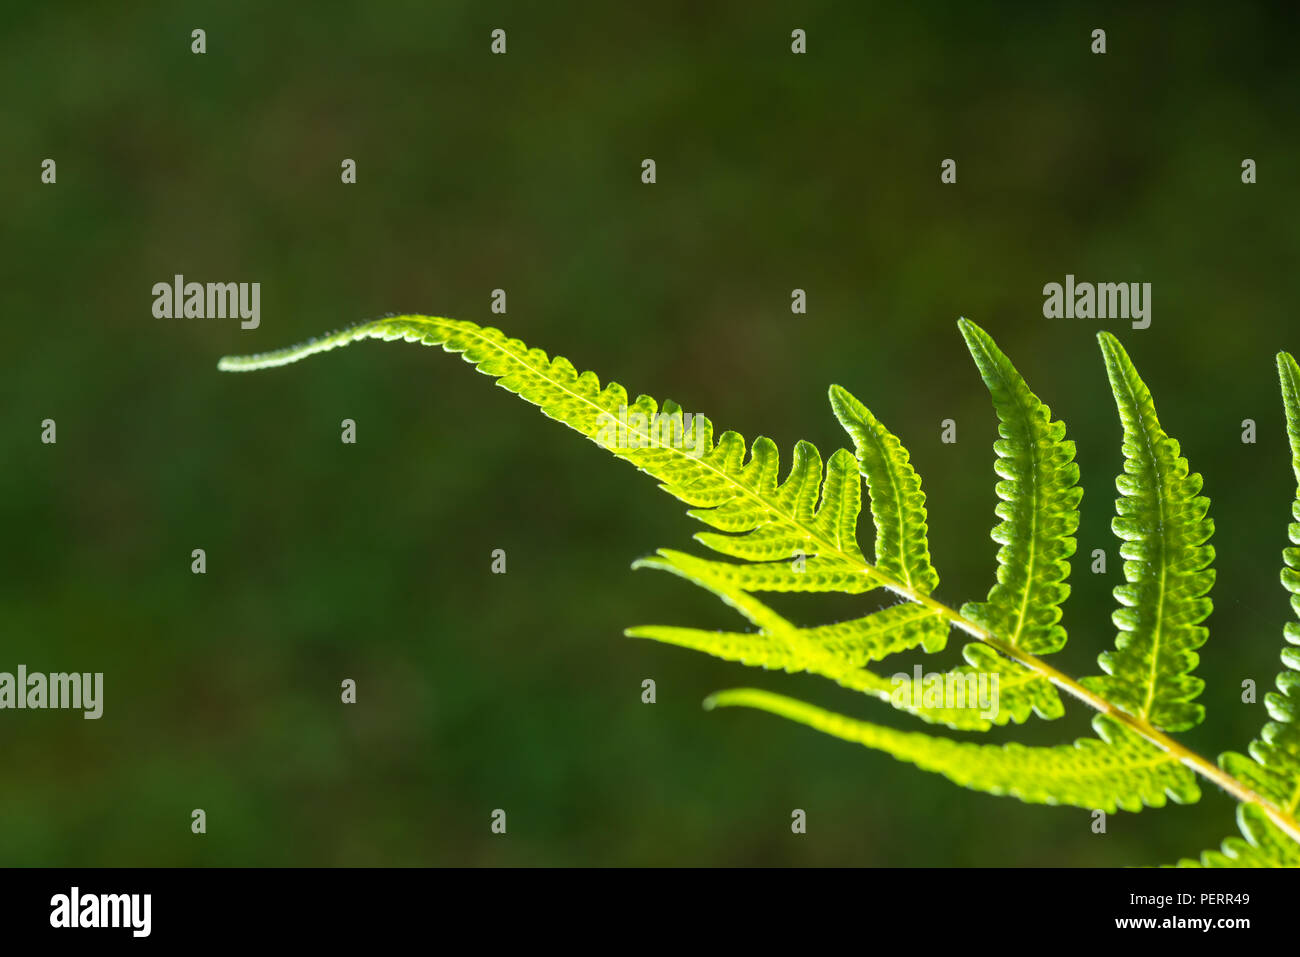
(1185, 755)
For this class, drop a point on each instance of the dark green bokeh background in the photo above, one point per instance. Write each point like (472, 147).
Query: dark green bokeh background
(522, 171)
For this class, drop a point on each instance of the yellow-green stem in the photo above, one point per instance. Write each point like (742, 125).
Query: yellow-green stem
(1186, 756)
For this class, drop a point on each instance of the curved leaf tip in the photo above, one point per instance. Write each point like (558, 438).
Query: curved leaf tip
(1289, 374)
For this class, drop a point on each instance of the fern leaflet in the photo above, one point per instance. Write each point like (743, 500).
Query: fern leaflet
(1163, 525)
(1273, 768)
(1116, 769)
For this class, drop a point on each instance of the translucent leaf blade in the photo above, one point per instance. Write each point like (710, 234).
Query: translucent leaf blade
(1162, 523)
(1116, 769)
(897, 502)
(1039, 508)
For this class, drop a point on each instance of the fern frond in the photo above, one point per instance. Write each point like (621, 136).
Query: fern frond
(1163, 525)
(1272, 770)
(798, 534)
(1116, 769)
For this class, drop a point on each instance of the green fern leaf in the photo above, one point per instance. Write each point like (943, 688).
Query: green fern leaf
(839, 651)
(781, 645)
(897, 502)
(1116, 769)
(1272, 770)
(897, 507)
(1040, 514)
(1162, 522)
(1277, 749)
(1039, 508)
(763, 518)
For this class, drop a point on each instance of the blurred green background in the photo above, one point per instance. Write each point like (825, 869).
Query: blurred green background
(328, 561)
